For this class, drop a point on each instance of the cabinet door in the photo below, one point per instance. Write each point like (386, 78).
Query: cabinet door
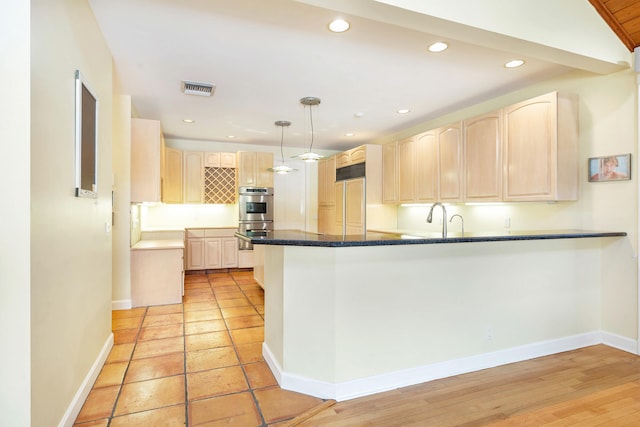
(358, 155)
(172, 182)
(530, 143)
(229, 258)
(245, 259)
(483, 169)
(211, 160)
(246, 168)
(264, 161)
(253, 169)
(354, 206)
(228, 160)
(338, 189)
(326, 179)
(213, 252)
(390, 173)
(406, 170)
(327, 219)
(193, 176)
(426, 167)
(450, 163)
(146, 160)
(342, 159)
(195, 254)
(219, 160)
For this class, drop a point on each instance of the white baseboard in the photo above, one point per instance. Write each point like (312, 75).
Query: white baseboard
(388, 381)
(75, 406)
(121, 304)
(620, 342)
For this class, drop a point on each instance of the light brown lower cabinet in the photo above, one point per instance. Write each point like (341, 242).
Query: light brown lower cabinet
(211, 248)
(157, 276)
(327, 219)
(245, 258)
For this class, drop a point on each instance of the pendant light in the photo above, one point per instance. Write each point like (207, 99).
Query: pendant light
(310, 156)
(282, 169)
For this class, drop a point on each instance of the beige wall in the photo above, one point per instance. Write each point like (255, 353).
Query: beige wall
(15, 406)
(70, 248)
(607, 126)
(121, 197)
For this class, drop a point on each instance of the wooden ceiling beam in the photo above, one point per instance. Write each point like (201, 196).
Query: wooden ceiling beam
(613, 22)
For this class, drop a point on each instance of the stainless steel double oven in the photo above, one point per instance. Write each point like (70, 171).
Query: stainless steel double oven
(255, 206)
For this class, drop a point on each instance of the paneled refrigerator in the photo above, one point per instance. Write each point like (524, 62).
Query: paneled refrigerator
(350, 190)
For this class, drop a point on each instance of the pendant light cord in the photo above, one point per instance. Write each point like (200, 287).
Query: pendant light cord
(281, 142)
(311, 120)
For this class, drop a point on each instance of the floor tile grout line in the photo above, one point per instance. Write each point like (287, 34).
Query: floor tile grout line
(242, 366)
(184, 364)
(135, 344)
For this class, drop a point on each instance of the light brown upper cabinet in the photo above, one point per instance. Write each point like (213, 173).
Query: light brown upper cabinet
(450, 171)
(146, 146)
(407, 170)
(172, 176)
(326, 179)
(351, 157)
(418, 167)
(541, 149)
(390, 173)
(219, 160)
(426, 167)
(483, 160)
(252, 169)
(193, 173)
(326, 195)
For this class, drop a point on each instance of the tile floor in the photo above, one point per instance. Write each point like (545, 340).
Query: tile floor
(197, 363)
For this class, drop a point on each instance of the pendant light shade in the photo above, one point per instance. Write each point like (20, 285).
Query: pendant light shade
(310, 156)
(282, 168)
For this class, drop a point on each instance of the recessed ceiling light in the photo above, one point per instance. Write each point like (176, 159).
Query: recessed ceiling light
(231, 136)
(339, 25)
(188, 120)
(358, 114)
(514, 63)
(438, 47)
(403, 111)
(349, 134)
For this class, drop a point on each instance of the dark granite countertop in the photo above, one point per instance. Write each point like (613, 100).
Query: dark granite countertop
(378, 238)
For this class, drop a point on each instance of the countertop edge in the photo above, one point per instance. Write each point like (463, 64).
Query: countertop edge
(158, 244)
(353, 241)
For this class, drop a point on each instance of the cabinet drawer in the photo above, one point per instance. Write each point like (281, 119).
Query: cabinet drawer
(219, 232)
(195, 233)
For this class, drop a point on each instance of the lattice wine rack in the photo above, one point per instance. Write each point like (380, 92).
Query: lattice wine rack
(220, 185)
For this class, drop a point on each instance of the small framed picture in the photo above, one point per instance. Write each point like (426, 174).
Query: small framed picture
(610, 168)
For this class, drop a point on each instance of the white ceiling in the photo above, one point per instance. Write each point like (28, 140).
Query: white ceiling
(263, 56)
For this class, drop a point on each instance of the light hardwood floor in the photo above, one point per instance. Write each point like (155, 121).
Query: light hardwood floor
(593, 386)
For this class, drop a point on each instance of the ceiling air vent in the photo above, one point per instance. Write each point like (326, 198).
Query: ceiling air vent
(200, 89)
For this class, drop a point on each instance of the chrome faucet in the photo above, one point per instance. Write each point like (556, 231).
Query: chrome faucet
(461, 221)
(444, 218)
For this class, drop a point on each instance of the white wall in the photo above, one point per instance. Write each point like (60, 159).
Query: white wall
(15, 357)
(70, 250)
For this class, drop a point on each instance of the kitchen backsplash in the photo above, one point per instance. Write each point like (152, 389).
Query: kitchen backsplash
(166, 216)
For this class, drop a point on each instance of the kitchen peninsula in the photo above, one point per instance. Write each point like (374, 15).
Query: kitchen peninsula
(347, 316)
